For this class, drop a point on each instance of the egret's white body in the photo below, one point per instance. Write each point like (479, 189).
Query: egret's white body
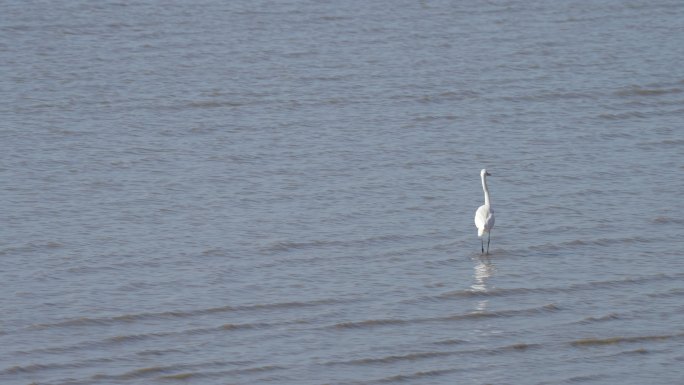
(484, 216)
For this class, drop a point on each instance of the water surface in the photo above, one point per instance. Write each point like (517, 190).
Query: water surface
(283, 192)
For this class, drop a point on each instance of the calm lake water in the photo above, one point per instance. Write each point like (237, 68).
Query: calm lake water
(282, 192)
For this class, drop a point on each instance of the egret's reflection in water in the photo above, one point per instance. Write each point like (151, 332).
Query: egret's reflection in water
(482, 271)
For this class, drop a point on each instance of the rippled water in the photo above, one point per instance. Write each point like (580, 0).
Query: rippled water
(283, 192)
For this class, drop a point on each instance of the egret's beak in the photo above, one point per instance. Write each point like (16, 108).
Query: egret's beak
(488, 174)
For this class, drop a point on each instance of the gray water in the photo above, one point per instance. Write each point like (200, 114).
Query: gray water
(282, 192)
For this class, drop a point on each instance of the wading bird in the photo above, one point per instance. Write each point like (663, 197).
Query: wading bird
(484, 216)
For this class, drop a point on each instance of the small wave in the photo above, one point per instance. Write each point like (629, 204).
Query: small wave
(136, 337)
(170, 369)
(460, 95)
(662, 220)
(327, 78)
(197, 331)
(640, 91)
(181, 376)
(134, 374)
(215, 252)
(603, 318)
(587, 378)
(213, 104)
(371, 323)
(81, 321)
(614, 241)
(129, 318)
(34, 368)
(623, 116)
(585, 192)
(396, 358)
(677, 292)
(639, 351)
(334, 18)
(433, 118)
(147, 371)
(518, 347)
(245, 326)
(547, 96)
(123, 339)
(594, 242)
(196, 375)
(504, 292)
(25, 369)
(392, 359)
(455, 317)
(450, 342)
(418, 375)
(290, 305)
(673, 142)
(285, 246)
(617, 282)
(667, 143)
(158, 352)
(620, 340)
(442, 97)
(30, 247)
(495, 292)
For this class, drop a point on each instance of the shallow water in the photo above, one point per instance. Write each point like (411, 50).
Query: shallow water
(283, 192)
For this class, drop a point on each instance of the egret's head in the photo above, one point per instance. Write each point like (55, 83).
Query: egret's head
(484, 173)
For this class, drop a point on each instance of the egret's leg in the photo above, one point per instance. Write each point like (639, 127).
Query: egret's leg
(489, 238)
(482, 239)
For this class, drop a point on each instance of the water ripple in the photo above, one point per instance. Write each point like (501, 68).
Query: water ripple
(586, 342)
(129, 318)
(456, 317)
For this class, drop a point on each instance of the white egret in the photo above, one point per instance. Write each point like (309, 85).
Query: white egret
(484, 216)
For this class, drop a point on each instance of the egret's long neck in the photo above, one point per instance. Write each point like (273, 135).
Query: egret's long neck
(486, 190)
